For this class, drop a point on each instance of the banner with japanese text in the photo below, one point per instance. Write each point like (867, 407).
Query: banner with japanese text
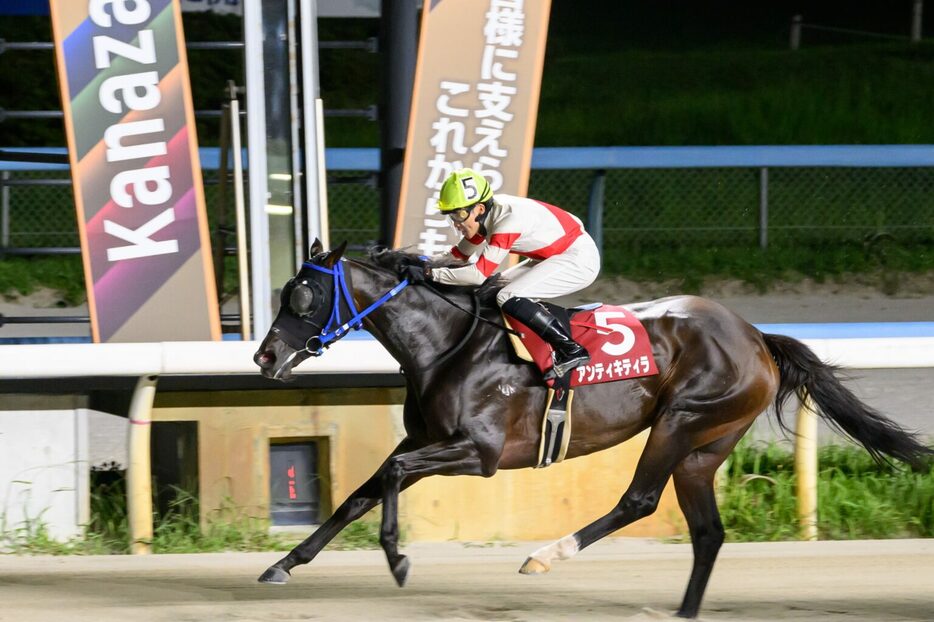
(474, 103)
(137, 182)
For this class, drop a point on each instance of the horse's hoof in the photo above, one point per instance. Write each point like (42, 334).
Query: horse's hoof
(275, 576)
(533, 566)
(400, 570)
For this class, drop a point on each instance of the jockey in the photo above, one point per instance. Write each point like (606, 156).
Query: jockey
(564, 258)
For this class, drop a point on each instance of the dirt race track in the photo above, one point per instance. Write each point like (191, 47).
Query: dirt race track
(615, 580)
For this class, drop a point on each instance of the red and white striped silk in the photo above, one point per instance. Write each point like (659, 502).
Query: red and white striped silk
(516, 225)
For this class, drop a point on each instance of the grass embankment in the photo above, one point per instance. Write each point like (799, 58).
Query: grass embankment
(738, 95)
(765, 268)
(858, 499)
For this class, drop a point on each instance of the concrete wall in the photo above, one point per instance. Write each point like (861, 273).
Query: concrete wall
(235, 429)
(107, 439)
(43, 464)
(361, 427)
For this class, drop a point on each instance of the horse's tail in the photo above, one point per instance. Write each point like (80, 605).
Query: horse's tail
(802, 373)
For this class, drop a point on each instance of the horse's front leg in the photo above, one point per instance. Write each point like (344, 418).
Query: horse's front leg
(361, 501)
(459, 456)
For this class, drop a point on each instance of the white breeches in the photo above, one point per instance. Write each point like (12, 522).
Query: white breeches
(563, 274)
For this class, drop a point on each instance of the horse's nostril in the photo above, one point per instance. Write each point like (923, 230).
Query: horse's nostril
(264, 359)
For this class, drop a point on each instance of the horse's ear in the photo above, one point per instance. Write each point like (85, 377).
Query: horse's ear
(316, 247)
(334, 256)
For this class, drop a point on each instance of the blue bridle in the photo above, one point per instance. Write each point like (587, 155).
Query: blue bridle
(335, 329)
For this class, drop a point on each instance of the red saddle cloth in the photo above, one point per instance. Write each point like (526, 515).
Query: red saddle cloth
(616, 340)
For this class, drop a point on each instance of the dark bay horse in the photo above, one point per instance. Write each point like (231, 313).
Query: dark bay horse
(717, 373)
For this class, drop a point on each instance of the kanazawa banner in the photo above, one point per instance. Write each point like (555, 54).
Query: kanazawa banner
(138, 191)
(475, 101)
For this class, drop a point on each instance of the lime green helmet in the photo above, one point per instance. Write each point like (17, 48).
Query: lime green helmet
(463, 188)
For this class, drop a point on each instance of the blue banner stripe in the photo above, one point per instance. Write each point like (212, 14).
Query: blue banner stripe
(79, 49)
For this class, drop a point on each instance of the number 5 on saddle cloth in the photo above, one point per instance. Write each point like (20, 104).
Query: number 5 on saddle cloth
(619, 350)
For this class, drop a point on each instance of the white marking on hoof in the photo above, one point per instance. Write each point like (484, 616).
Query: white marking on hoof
(540, 561)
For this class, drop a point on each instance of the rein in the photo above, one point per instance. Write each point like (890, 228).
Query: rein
(335, 329)
(474, 313)
(463, 342)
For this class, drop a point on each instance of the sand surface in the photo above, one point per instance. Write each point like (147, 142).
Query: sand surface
(623, 579)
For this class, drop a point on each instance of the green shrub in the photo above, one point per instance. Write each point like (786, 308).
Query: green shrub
(857, 498)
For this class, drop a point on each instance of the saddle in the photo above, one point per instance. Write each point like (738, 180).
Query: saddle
(562, 314)
(619, 349)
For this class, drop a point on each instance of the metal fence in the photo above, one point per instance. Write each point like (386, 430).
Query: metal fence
(647, 207)
(723, 206)
(713, 206)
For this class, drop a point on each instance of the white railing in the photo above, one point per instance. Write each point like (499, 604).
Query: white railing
(69, 360)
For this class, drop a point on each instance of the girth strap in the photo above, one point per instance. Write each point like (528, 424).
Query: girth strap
(556, 423)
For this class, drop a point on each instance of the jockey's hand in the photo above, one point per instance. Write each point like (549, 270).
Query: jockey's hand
(415, 273)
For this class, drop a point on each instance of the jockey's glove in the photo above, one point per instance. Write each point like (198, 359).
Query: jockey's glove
(415, 273)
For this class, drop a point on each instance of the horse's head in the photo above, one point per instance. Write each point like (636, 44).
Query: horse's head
(307, 306)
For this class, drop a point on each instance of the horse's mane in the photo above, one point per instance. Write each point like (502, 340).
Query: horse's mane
(394, 260)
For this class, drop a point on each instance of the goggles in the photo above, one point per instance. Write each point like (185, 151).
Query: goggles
(460, 214)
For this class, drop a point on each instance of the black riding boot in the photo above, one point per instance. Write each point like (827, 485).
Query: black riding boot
(568, 353)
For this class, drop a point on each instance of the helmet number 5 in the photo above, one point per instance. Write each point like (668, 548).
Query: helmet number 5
(603, 319)
(470, 188)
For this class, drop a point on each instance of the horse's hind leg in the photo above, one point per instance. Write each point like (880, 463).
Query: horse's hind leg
(665, 448)
(361, 501)
(694, 485)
